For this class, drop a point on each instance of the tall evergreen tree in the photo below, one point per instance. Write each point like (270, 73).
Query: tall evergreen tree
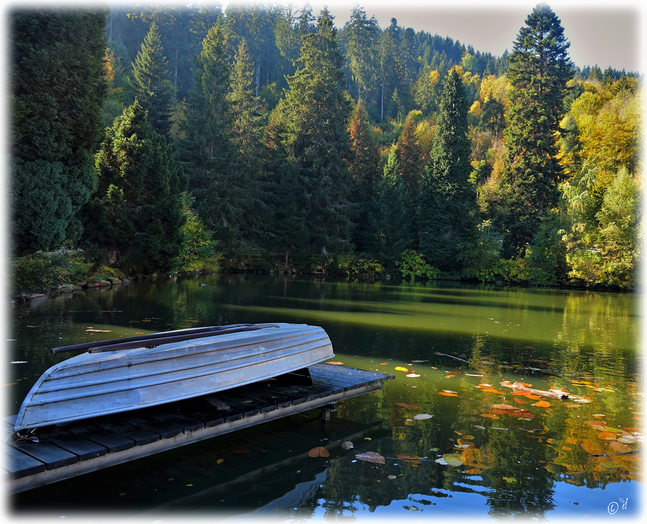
(248, 187)
(57, 88)
(154, 90)
(447, 205)
(538, 73)
(315, 116)
(206, 148)
(391, 221)
(409, 161)
(364, 164)
(136, 213)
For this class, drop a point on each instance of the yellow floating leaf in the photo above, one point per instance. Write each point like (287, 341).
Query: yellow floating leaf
(220, 461)
(400, 368)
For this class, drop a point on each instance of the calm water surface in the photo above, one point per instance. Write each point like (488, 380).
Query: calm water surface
(540, 463)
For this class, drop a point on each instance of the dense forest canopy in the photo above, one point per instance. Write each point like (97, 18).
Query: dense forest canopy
(268, 133)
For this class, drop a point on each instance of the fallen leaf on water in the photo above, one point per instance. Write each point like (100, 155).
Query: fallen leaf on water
(598, 415)
(400, 368)
(531, 396)
(510, 480)
(220, 461)
(318, 452)
(472, 375)
(336, 363)
(447, 393)
(492, 390)
(522, 414)
(505, 407)
(606, 435)
(619, 447)
(391, 477)
(478, 427)
(542, 404)
(519, 401)
(499, 412)
(583, 400)
(627, 439)
(347, 445)
(571, 405)
(488, 415)
(422, 416)
(383, 364)
(465, 443)
(524, 384)
(371, 456)
(412, 375)
(453, 460)
(450, 376)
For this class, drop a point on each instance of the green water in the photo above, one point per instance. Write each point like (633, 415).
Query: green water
(540, 462)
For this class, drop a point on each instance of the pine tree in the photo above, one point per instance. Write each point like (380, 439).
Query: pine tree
(58, 85)
(410, 162)
(538, 73)
(153, 87)
(447, 205)
(314, 116)
(136, 213)
(363, 164)
(247, 188)
(206, 148)
(391, 221)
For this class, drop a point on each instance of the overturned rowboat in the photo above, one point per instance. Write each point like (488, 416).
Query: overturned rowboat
(126, 374)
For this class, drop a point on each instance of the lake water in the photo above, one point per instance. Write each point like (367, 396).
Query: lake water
(456, 344)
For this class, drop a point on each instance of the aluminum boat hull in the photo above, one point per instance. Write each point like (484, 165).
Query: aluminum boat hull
(95, 384)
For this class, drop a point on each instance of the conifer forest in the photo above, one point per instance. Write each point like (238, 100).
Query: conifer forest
(160, 139)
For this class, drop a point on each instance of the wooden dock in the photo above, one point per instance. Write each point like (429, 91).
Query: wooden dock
(94, 444)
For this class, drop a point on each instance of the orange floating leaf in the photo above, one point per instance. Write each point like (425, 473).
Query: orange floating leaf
(496, 411)
(505, 406)
(524, 384)
(492, 390)
(335, 363)
(447, 394)
(521, 414)
(606, 435)
(450, 376)
(542, 404)
(531, 396)
(318, 452)
(519, 401)
(488, 415)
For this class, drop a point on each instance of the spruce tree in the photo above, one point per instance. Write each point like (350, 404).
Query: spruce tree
(247, 188)
(364, 163)
(315, 116)
(205, 148)
(136, 213)
(57, 88)
(447, 206)
(153, 87)
(410, 164)
(538, 73)
(391, 221)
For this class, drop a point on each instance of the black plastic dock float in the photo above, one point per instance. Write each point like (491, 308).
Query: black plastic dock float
(90, 445)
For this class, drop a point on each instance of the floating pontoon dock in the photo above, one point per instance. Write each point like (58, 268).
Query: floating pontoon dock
(93, 444)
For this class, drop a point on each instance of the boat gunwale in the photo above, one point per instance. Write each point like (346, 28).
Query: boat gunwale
(120, 363)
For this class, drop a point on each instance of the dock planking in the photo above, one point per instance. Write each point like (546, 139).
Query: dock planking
(84, 446)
